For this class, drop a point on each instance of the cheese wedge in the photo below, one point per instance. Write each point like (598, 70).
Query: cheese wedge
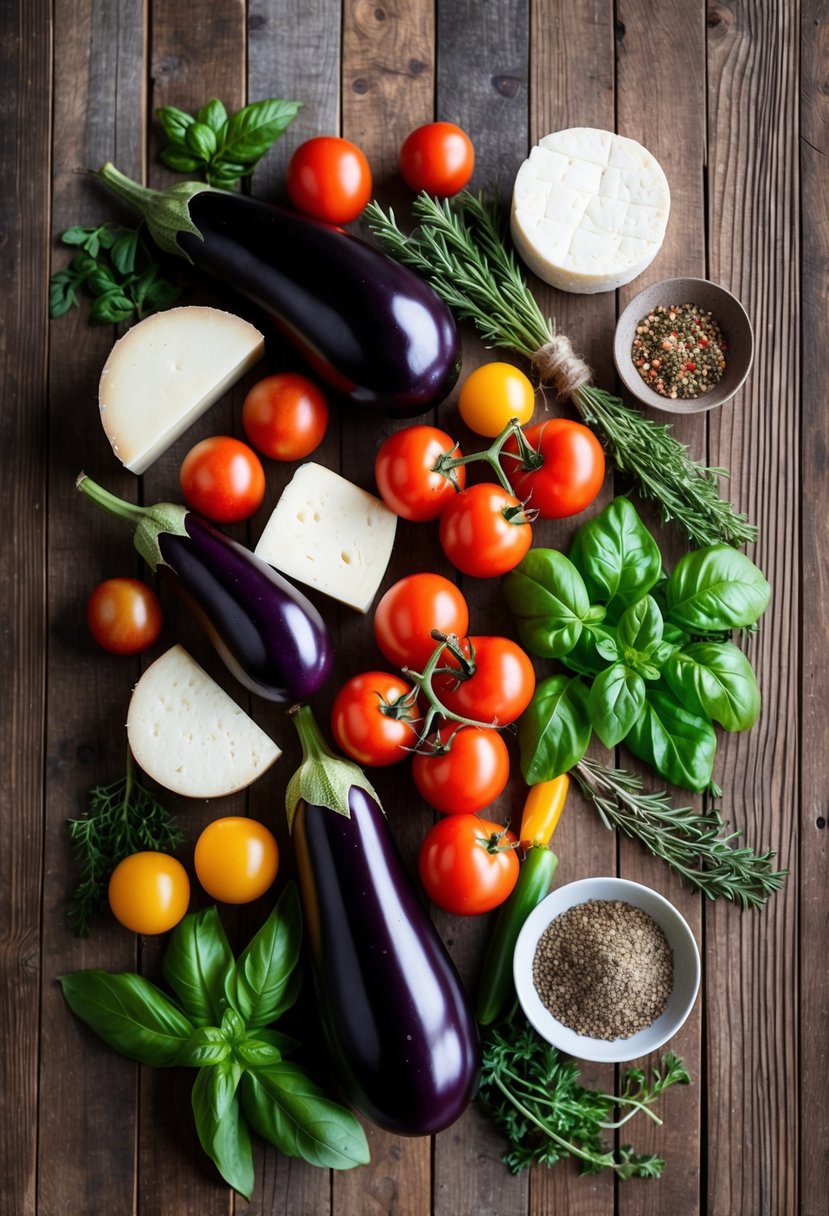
(165, 372)
(589, 210)
(191, 737)
(331, 535)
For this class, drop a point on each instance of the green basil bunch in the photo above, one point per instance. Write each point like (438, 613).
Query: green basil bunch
(218, 1021)
(648, 654)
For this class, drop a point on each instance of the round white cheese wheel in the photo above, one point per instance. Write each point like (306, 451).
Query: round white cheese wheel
(589, 210)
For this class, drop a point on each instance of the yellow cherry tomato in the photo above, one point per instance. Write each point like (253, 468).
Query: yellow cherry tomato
(149, 892)
(492, 395)
(236, 859)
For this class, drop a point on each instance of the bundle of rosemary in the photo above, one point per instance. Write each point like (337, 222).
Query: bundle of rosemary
(458, 248)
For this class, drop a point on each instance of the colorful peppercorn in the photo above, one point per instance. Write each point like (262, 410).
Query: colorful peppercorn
(679, 351)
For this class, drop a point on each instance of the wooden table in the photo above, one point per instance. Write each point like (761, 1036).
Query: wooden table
(732, 99)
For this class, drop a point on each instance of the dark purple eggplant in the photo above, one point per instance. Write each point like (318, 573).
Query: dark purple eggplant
(269, 635)
(399, 1028)
(368, 326)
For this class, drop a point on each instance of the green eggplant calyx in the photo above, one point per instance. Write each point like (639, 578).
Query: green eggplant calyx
(323, 778)
(165, 212)
(149, 522)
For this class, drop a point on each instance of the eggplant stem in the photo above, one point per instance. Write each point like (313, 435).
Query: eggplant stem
(110, 502)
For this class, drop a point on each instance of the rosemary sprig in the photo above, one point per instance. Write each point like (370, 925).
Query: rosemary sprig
(692, 842)
(458, 248)
(122, 818)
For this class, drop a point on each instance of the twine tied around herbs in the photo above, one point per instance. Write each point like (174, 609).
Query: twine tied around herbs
(558, 365)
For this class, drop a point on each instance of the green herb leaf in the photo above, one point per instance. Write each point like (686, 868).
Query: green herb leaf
(617, 557)
(252, 130)
(548, 599)
(714, 590)
(129, 1014)
(264, 982)
(197, 959)
(111, 308)
(214, 115)
(180, 160)
(175, 123)
(201, 140)
(62, 289)
(285, 1107)
(715, 679)
(206, 1045)
(554, 730)
(615, 703)
(123, 252)
(256, 1053)
(677, 743)
(77, 236)
(223, 1133)
(640, 625)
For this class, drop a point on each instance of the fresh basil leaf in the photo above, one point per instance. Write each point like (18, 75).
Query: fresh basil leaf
(101, 281)
(287, 1108)
(716, 589)
(223, 1133)
(677, 743)
(593, 651)
(252, 130)
(111, 308)
(554, 730)
(107, 237)
(201, 140)
(62, 293)
(180, 160)
(617, 557)
(175, 123)
(130, 1014)
(206, 1045)
(221, 178)
(285, 1044)
(77, 236)
(715, 679)
(615, 702)
(640, 625)
(607, 646)
(660, 652)
(144, 283)
(161, 294)
(83, 264)
(547, 597)
(214, 115)
(255, 1053)
(197, 959)
(123, 252)
(233, 1026)
(262, 984)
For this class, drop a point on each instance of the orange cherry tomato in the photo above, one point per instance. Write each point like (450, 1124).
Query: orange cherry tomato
(149, 892)
(124, 615)
(236, 859)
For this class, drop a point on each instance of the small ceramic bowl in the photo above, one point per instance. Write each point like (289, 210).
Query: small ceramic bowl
(726, 310)
(686, 970)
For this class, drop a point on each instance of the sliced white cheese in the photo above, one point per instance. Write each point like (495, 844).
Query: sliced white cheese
(189, 735)
(589, 210)
(331, 535)
(165, 372)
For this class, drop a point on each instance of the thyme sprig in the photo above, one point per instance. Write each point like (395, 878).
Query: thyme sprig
(121, 818)
(532, 1094)
(693, 843)
(459, 249)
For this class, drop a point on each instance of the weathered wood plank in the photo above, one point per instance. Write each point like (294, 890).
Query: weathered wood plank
(753, 249)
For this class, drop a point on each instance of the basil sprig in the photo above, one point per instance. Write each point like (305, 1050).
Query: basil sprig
(217, 1021)
(113, 265)
(222, 147)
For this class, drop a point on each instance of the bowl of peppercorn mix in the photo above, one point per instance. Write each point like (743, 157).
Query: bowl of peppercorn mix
(606, 969)
(683, 345)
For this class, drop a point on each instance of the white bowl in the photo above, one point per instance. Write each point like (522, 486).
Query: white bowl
(686, 969)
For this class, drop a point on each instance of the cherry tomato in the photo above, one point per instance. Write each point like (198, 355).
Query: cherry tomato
(500, 687)
(329, 178)
(236, 859)
(467, 864)
(468, 776)
(571, 473)
(223, 479)
(365, 721)
(492, 395)
(124, 615)
(285, 416)
(484, 531)
(438, 158)
(405, 476)
(410, 610)
(149, 892)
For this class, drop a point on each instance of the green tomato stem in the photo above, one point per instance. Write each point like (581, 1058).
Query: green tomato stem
(528, 456)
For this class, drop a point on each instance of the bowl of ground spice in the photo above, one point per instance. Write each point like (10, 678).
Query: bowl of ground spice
(606, 969)
(683, 345)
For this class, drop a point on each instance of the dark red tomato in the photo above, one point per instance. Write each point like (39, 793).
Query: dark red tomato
(124, 615)
(571, 472)
(329, 178)
(484, 532)
(467, 865)
(500, 687)
(410, 610)
(468, 776)
(285, 416)
(369, 722)
(405, 476)
(223, 479)
(438, 158)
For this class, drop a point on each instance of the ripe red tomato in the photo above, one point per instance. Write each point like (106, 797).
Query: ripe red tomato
(368, 721)
(484, 532)
(500, 687)
(405, 476)
(438, 158)
(410, 610)
(329, 178)
(236, 859)
(468, 776)
(285, 416)
(571, 473)
(124, 615)
(149, 892)
(223, 479)
(467, 864)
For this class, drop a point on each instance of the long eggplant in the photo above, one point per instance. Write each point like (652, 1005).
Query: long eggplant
(269, 635)
(400, 1031)
(368, 326)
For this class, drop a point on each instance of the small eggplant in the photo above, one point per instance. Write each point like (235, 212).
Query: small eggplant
(368, 326)
(397, 1022)
(268, 634)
